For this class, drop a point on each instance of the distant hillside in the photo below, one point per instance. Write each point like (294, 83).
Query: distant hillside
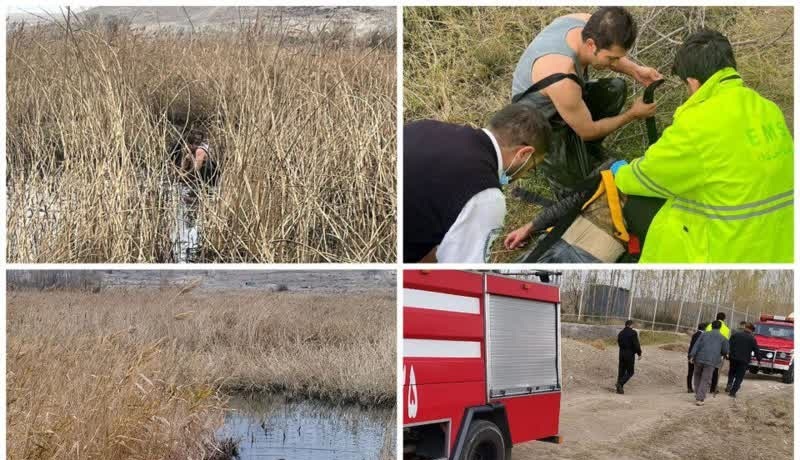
(363, 19)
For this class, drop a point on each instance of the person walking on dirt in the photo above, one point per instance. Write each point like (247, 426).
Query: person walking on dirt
(628, 341)
(719, 207)
(551, 76)
(742, 326)
(706, 355)
(726, 332)
(743, 347)
(700, 328)
(453, 206)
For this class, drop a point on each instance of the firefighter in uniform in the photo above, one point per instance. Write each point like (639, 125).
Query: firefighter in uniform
(725, 167)
(628, 341)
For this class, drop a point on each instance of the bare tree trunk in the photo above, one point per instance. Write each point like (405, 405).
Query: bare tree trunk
(631, 292)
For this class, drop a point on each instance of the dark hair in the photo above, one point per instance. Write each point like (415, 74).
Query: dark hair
(609, 26)
(750, 326)
(628, 323)
(742, 323)
(716, 324)
(702, 326)
(721, 316)
(521, 124)
(703, 54)
(196, 137)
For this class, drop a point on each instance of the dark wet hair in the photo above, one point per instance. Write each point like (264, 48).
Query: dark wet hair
(703, 54)
(609, 26)
(702, 326)
(196, 137)
(521, 124)
(716, 325)
(721, 316)
(628, 323)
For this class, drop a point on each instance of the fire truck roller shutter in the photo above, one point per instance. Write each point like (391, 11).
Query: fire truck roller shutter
(522, 346)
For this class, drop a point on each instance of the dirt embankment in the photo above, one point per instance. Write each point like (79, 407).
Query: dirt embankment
(656, 418)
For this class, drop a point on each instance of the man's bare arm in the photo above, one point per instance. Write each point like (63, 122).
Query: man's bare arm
(568, 101)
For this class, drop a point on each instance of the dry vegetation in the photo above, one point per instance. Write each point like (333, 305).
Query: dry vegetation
(303, 127)
(146, 374)
(458, 63)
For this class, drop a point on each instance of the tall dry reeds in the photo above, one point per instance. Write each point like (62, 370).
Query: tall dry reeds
(303, 131)
(145, 373)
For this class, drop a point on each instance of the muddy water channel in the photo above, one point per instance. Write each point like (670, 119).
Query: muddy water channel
(270, 428)
(185, 234)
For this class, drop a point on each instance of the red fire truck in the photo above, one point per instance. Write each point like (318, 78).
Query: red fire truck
(775, 337)
(481, 364)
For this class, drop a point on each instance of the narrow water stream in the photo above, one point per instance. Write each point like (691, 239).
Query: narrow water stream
(269, 428)
(185, 235)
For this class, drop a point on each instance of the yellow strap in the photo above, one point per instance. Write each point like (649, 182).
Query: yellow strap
(614, 206)
(597, 194)
(609, 187)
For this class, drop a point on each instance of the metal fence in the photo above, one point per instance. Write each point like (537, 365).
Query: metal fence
(603, 306)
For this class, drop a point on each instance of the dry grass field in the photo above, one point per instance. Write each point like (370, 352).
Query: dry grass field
(145, 374)
(302, 126)
(458, 63)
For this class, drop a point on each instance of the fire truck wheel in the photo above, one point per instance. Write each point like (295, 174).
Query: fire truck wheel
(484, 442)
(788, 376)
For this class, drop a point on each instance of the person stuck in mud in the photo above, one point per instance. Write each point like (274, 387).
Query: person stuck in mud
(628, 341)
(193, 158)
(706, 355)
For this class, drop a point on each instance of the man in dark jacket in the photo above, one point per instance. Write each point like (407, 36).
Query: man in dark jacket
(700, 328)
(743, 346)
(628, 341)
(742, 326)
(706, 354)
(453, 206)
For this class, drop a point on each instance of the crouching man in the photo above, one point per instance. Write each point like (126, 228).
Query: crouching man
(725, 167)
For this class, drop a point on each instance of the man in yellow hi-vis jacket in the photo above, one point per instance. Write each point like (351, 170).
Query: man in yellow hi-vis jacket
(725, 167)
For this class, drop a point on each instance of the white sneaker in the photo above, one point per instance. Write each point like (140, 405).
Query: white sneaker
(699, 403)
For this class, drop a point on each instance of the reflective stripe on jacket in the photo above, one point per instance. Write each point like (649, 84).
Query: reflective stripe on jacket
(725, 166)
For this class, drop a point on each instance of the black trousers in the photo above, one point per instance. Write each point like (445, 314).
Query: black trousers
(715, 380)
(626, 363)
(689, 376)
(731, 369)
(739, 369)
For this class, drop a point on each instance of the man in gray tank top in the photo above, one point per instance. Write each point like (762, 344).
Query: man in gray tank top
(571, 44)
(557, 60)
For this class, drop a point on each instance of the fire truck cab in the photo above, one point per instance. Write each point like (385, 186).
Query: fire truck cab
(775, 338)
(481, 364)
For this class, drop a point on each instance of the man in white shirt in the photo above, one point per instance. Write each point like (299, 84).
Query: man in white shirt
(453, 206)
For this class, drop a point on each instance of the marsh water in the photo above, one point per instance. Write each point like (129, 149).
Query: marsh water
(185, 235)
(271, 428)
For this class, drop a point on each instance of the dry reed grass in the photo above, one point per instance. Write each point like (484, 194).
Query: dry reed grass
(145, 373)
(458, 63)
(303, 129)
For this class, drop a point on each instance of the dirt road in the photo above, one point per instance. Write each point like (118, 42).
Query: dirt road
(656, 418)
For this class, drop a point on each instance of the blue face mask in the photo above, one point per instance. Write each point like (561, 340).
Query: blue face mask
(505, 179)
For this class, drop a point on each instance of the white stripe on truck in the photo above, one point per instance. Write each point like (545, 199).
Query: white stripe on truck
(441, 301)
(420, 348)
